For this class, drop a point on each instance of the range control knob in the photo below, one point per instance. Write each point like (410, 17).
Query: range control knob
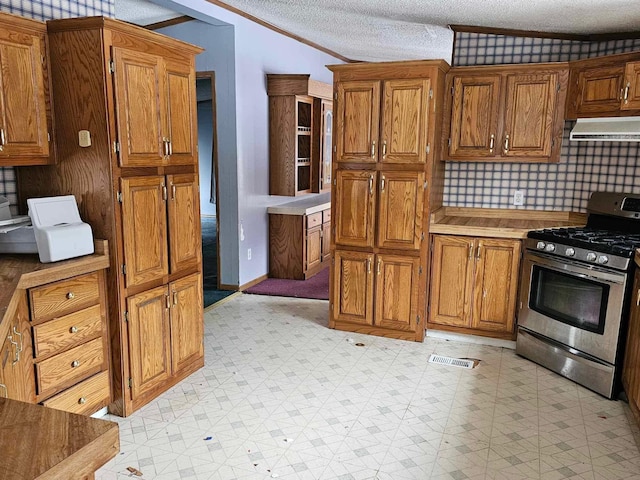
(541, 245)
(602, 259)
(591, 257)
(570, 252)
(550, 247)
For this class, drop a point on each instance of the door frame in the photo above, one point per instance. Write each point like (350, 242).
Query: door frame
(211, 75)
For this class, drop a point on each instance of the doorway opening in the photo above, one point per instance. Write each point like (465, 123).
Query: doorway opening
(209, 204)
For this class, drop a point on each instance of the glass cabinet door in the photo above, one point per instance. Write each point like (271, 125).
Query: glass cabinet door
(326, 144)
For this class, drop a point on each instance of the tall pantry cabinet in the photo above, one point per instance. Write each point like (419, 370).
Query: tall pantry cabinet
(125, 109)
(386, 179)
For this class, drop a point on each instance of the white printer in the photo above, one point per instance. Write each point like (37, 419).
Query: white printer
(59, 231)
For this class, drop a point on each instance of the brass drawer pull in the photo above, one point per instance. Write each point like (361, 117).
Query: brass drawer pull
(75, 364)
(82, 400)
(73, 329)
(71, 296)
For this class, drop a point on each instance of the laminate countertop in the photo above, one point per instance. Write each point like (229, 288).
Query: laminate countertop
(19, 272)
(307, 205)
(46, 444)
(499, 223)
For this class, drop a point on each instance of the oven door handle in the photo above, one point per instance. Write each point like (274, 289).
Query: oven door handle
(569, 267)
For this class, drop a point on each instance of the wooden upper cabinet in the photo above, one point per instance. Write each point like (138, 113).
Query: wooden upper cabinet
(474, 115)
(187, 328)
(353, 287)
(149, 340)
(400, 209)
(506, 113)
(597, 91)
(355, 207)
(181, 122)
(396, 300)
(631, 92)
(140, 113)
(404, 121)
(144, 228)
(357, 121)
(24, 90)
(185, 240)
(529, 115)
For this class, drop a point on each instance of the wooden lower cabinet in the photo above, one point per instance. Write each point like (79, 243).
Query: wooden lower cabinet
(474, 284)
(631, 368)
(376, 290)
(165, 335)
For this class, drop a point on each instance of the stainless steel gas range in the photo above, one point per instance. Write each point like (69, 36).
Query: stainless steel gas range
(574, 293)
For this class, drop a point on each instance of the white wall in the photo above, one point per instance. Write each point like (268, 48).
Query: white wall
(258, 51)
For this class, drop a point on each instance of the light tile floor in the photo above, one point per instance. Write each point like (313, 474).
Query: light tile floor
(283, 396)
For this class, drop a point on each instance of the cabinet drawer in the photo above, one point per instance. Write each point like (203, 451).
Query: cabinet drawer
(314, 219)
(64, 297)
(85, 398)
(326, 216)
(64, 332)
(68, 367)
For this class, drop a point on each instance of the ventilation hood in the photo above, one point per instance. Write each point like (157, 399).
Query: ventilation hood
(615, 129)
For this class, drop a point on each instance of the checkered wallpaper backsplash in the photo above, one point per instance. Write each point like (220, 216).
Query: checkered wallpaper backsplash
(46, 10)
(583, 167)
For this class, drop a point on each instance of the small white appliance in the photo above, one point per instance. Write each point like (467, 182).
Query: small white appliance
(59, 231)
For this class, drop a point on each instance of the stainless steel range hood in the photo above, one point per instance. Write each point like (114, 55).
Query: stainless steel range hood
(615, 129)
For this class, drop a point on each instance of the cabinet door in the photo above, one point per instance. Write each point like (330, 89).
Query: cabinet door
(631, 92)
(187, 327)
(313, 247)
(181, 122)
(185, 238)
(326, 241)
(139, 96)
(353, 287)
(496, 284)
(451, 280)
(400, 211)
(598, 90)
(405, 121)
(529, 113)
(631, 369)
(396, 304)
(474, 116)
(149, 340)
(358, 111)
(144, 228)
(355, 207)
(23, 113)
(16, 357)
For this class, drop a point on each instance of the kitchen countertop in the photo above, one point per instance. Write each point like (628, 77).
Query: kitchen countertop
(43, 443)
(307, 205)
(19, 272)
(499, 223)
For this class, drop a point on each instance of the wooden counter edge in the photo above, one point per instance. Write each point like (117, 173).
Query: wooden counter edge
(516, 214)
(466, 230)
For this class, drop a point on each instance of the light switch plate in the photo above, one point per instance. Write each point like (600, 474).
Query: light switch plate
(84, 138)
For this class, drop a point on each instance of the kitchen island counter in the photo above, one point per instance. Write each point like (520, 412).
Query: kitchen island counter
(308, 205)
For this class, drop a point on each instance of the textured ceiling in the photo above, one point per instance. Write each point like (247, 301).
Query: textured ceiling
(408, 29)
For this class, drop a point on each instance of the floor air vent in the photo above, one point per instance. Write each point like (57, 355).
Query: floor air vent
(454, 362)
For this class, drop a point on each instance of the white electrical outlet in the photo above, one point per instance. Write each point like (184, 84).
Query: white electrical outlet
(518, 198)
(248, 254)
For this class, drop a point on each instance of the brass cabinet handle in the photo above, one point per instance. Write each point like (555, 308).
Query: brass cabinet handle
(638, 298)
(16, 354)
(369, 266)
(18, 347)
(71, 296)
(384, 149)
(370, 184)
(625, 97)
(168, 301)
(378, 266)
(173, 191)
(373, 149)
(3, 139)
(382, 184)
(75, 363)
(73, 329)
(470, 251)
(491, 143)
(478, 252)
(6, 392)
(165, 147)
(164, 192)
(169, 146)
(506, 143)
(82, 400)
(175, 298)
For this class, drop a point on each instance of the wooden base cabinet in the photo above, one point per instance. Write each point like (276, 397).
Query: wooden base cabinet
(474, 285)
(631, 368)
(136, 185)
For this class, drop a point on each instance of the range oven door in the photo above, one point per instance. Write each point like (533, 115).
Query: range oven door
(574, 304)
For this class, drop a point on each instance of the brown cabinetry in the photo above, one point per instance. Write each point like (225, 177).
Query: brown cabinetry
(474, 283)
(631, 369)
(385, 125)
(506, 113)
(137, 100)
(604, 87)
(25, 102)
(300, 114)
